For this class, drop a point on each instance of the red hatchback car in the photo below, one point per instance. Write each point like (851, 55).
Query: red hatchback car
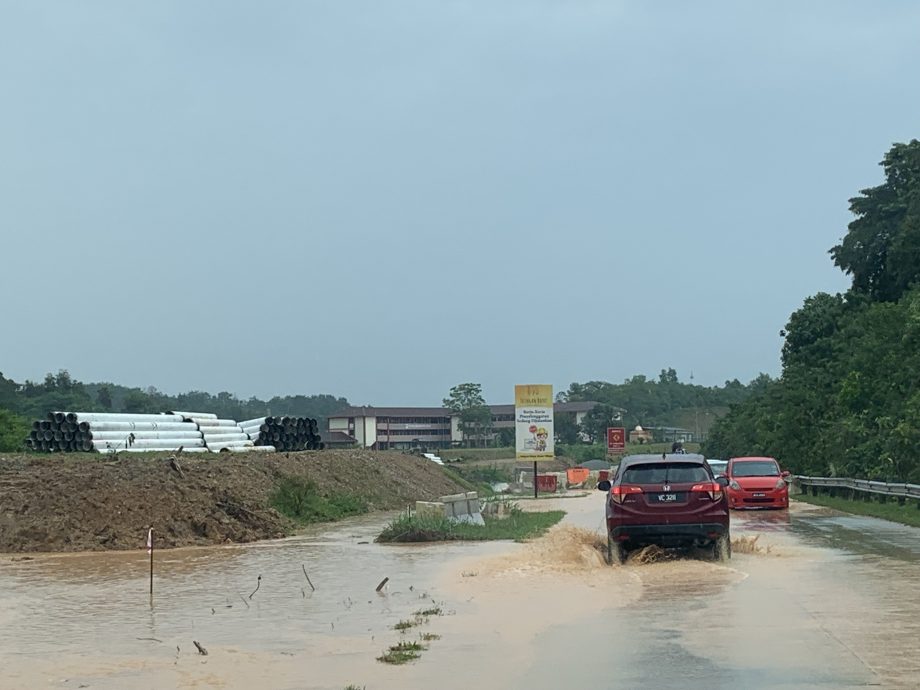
(669, 500)
(756, 482)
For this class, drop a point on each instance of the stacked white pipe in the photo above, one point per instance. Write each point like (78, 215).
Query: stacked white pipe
(252, 428)
(134, 433)
(219, 434)
(111, 432)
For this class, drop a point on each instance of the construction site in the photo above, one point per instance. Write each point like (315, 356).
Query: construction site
(82, 502)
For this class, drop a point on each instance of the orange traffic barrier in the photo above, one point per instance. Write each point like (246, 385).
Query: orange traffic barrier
(577, 475)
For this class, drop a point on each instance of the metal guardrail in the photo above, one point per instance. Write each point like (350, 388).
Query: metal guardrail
(884, 488)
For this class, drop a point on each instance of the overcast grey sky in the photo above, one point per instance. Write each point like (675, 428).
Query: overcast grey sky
(383, 199)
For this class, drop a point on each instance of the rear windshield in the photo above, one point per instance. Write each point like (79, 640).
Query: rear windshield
(755, 468)
(665, 473)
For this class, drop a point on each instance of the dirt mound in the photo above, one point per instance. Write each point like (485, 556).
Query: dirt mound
(92, 502)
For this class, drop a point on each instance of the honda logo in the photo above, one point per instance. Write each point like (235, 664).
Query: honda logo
(666, 487)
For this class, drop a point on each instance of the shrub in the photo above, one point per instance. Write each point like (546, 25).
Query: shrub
(300, 500)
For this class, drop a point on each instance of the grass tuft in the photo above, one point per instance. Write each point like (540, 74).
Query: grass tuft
(518, 526)
(429, 612)
(402, 652)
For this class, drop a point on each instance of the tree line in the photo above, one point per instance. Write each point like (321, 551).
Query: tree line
(848, 400)
(647, 402)
(651, 403)
(20, 403)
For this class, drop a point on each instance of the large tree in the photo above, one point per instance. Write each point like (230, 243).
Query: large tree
(848, 400)
(881, 249)
(475, 418)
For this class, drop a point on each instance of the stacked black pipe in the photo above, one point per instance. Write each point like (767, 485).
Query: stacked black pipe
(60, 432)
(290, 433)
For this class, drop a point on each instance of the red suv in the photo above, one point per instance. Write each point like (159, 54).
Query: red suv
(756, 482)
(669, 500)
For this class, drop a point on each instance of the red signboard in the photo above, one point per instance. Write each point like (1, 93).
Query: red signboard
(546, 483)
(616, 439)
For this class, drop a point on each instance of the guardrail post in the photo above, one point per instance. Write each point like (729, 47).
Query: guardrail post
(900, 500)
(832, 492)
(814, 490)
(867, 497)
(882, 498)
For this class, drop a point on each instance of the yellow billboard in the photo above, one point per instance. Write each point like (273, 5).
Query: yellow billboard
(533, 422)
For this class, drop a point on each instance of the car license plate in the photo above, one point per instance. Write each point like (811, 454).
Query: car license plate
(667, 498)
(759, 494)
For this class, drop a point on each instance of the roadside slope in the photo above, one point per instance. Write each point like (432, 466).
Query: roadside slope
(94, 502)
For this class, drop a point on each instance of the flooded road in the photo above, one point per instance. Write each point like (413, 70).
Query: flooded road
(820, 600)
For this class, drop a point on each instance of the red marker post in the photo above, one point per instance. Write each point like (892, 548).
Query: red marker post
(150, 552)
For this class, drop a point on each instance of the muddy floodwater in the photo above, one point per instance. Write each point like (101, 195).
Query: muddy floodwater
(811, 599)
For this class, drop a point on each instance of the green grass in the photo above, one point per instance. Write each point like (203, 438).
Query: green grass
(429, 612)
(460, 454)
(517, 526)
(402, 652)
(457, 477)
(300, 500)
(484, 475)
(908, 514)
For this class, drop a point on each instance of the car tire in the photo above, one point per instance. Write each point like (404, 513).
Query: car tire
(722, 548)
(616, 552)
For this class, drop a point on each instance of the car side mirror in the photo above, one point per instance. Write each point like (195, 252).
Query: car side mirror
(722, 480)
(603, 485)
(785, 473)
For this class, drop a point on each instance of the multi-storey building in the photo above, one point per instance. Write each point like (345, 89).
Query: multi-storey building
(386, 428)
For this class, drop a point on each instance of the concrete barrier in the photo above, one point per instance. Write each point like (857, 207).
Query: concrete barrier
(456, 508)
(429, 509)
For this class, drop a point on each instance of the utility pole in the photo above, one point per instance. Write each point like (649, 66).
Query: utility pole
(696, 411)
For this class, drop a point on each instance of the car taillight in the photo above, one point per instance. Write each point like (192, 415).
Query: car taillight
(734, 485)
(781, 484)
(619, 493)
(712, 488)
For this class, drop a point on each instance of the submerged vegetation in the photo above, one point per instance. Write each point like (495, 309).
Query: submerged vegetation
(402, 652)
(405, 651)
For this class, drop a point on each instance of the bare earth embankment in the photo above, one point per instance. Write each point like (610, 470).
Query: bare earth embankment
(92, 502)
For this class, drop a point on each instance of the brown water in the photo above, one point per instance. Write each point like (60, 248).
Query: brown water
(813, 605)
